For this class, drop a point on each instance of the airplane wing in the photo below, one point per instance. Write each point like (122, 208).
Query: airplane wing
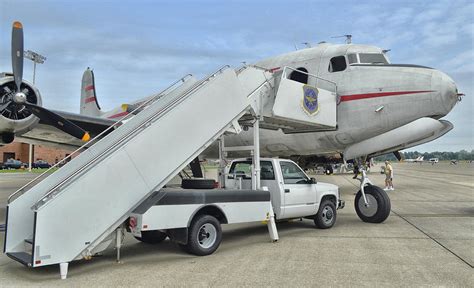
(45, 134)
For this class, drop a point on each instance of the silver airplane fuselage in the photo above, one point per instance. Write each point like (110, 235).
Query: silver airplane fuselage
(373, 98)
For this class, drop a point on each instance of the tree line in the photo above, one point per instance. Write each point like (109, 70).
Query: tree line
(460, 155)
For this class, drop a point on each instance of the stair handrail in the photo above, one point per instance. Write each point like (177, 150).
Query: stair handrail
(164, 110)
(98, 136)
(245, 66)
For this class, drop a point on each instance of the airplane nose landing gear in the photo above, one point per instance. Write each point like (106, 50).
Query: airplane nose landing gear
(372, 203)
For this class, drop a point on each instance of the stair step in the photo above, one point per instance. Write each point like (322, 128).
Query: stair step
(30, 241)
(22, 257)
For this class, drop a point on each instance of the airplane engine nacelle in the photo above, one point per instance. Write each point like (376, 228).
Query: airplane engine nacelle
(418, 132)
(15, 118)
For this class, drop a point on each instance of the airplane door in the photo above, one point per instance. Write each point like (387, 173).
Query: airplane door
(299, 196)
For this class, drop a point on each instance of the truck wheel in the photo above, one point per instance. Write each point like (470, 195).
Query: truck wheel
(152, 237)
(205, 235)
(197, 183)
(326, 216)
(379, 205)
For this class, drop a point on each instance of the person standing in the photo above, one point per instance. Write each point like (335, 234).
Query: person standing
(388, 176)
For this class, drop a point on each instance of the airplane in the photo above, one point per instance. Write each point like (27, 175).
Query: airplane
(417, 160)
(381, 107)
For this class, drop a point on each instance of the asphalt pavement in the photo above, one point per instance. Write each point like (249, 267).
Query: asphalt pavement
(428, 240)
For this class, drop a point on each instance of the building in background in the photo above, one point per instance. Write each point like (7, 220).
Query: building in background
(19, 151)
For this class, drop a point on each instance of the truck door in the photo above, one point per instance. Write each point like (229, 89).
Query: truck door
(299, 193)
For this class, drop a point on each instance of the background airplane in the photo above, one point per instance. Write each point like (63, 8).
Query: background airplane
(417, 160)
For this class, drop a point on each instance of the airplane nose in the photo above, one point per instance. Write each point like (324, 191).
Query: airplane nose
(447, 92)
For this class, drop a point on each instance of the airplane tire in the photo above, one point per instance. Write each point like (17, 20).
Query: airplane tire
(197, 183)
(329, 170)
(152, 237)
(380, 208)
(326, 216)
(205, 235)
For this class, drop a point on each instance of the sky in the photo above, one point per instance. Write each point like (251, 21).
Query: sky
(137, 48)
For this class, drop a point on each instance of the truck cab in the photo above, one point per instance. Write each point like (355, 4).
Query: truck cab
(293, 193)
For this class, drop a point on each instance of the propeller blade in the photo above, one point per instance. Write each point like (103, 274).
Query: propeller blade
(398, 155)
(57, 121)
(5, 105)
(17, 53)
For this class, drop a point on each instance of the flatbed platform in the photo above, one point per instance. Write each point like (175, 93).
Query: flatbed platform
(427, 240)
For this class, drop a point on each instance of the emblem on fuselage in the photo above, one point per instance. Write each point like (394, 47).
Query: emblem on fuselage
(310, 101)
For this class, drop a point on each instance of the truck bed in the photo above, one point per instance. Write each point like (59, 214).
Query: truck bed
(177, 196)
(171, 208)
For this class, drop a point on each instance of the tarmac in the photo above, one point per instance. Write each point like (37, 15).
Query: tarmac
(428, 240)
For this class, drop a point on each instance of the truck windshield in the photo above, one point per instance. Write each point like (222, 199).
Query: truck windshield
(292, 174)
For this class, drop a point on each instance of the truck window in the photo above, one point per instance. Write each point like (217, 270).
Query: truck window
(292, 174)
(243, 169)
(266, 171)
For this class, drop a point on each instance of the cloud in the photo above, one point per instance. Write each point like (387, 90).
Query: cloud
(135, 52)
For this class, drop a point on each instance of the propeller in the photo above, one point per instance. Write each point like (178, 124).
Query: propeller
(19, 101)
(17, 54)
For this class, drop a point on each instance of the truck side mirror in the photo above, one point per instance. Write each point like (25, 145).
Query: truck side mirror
(312, 181)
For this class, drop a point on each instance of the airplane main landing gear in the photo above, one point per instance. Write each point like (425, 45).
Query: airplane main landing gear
(372, 203)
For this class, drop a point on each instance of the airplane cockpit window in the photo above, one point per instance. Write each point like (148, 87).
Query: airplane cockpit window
(337, 64)
(298, 76)
(372, 58)
(352, 58)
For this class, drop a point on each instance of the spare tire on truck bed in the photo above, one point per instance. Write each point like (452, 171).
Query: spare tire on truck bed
(198, 183)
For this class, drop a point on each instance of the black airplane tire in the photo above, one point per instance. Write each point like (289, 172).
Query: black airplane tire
(326, 216)
(376, 213)
(205, 235)
(152, 237)
(197, 183)
(328, 170)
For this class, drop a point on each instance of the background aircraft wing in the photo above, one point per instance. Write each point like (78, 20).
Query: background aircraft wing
(45, 134)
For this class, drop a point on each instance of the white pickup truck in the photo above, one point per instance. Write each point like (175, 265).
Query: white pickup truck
(193, 217)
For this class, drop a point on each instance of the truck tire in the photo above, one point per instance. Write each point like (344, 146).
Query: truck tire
(205, 235)
(197, 183)
(326, 216)
(152, 237)
(379, 207)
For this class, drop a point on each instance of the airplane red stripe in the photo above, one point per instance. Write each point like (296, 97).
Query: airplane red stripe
(90, 87)
(90, 99)
(118, 114)
(380, 94)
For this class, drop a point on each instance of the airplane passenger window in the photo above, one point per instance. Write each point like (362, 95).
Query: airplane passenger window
(337, 64)
(298, 76)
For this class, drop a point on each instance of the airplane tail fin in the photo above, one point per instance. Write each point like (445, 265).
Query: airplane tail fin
(89, 104)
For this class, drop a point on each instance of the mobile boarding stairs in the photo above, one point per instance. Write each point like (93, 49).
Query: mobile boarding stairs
(75, 212)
